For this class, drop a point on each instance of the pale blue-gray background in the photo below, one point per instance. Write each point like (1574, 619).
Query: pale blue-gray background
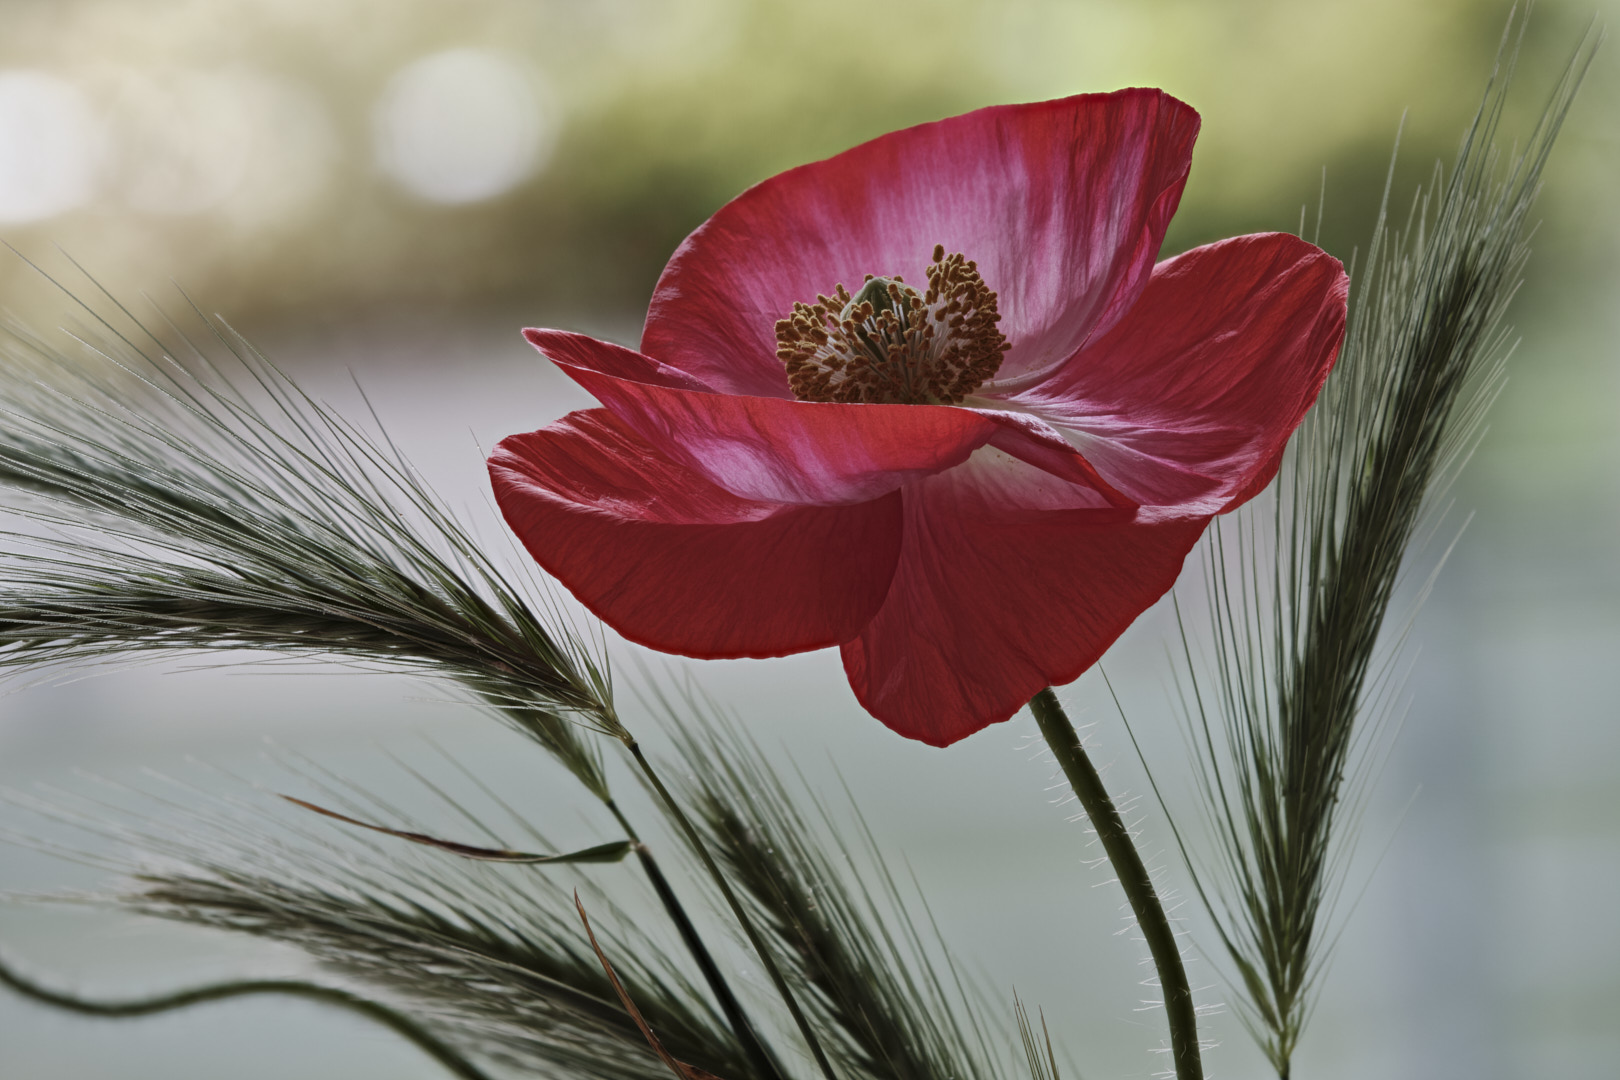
(1478, 935)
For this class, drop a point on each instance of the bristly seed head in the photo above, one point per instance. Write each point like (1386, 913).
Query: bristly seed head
(890, 344)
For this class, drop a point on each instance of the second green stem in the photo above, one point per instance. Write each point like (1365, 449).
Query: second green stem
(1134, 878)
(756, 1051)
(737, 909)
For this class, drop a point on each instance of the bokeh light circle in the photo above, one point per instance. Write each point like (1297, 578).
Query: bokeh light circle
(51, 146)
(462, 125)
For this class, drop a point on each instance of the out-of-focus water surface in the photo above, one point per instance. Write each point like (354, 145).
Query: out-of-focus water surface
(391, 190)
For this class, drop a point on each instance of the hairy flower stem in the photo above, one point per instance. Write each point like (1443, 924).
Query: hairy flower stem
(1133, 875)
(737, 908)
(326, 995)
(757, 1053)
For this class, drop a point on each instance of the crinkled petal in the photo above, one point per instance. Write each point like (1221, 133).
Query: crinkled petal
(1189, 400)
(1035, 442)
(1008, 582)
(569, 350)
(673, 562)
(768, 448)
(1063, 205)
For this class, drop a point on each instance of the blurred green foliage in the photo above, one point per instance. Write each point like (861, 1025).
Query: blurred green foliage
(668, 109)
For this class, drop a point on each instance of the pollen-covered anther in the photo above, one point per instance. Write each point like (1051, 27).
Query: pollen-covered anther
(890, 344)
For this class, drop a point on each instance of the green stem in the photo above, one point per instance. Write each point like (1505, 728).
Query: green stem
(761, 1058)
(737, 908)
(1133, 878)
(326, 995)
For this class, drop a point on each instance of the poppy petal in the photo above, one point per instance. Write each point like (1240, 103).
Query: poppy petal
(673, 562)
(1062, 204)
(1005, 586)
(1189, 400)
(1035, 442)
(766, 448)
(569, 350)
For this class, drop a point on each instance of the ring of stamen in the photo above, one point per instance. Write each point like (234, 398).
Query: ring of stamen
(890, 344)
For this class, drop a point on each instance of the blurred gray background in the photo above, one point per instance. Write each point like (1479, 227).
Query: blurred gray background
(394, 188)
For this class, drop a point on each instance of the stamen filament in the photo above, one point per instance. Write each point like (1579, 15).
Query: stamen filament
(890, 344)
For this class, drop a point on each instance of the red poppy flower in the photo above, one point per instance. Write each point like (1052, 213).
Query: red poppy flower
(971, 484)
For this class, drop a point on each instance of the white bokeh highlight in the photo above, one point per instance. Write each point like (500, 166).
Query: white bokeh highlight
(463, 125)
(51, 146)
